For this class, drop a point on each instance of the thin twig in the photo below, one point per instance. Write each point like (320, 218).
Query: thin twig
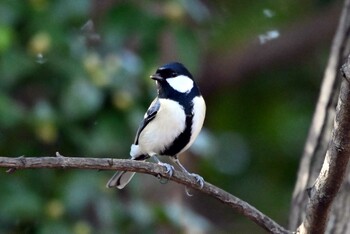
(237, 204)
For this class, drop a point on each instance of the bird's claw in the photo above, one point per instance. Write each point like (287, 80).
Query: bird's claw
(169, 169)
(199, 179)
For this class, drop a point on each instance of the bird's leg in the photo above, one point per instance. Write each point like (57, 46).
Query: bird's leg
(169, 168)
(198, 178)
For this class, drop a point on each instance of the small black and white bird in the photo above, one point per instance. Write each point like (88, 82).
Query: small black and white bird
(171, 123)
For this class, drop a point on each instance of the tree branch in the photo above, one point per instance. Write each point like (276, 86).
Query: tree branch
(335, 164)
(320, 130)
(61, 162)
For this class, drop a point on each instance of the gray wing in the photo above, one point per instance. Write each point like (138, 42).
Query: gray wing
(150, 114)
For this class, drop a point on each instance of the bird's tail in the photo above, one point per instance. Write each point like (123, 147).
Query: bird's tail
(121, 178)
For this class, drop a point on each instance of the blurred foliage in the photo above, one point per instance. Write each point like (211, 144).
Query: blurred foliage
(74, 79)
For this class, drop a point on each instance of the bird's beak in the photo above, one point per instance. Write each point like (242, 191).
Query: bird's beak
(156, 77)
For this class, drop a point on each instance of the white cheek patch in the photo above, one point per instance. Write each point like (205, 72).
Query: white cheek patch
(182, 84)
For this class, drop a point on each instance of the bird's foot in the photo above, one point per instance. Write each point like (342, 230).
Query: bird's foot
(199, 179)
(169, 169)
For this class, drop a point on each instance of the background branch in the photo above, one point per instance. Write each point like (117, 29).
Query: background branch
(334, 167)
(237, 204)
(296, 42)
(320, 131)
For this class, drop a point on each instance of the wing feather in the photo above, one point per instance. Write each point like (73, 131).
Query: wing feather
(149, 116)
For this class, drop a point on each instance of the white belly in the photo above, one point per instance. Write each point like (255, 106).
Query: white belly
(167, 125)
(163, 129)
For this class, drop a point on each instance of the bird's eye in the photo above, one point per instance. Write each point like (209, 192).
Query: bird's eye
(167, 73)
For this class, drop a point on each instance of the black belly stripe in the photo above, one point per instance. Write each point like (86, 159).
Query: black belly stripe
(182, 140)
(186, 101)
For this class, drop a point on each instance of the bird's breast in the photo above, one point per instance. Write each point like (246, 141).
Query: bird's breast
(169, 123)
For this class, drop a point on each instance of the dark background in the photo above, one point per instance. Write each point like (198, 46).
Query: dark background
(74, 78)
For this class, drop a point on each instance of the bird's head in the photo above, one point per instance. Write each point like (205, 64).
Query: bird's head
(174, 75)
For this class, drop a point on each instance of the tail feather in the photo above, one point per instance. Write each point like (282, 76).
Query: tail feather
(120, 179)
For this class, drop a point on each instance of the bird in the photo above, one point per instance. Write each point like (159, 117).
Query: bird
(170, 125)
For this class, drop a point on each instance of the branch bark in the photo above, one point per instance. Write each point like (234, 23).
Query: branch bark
(334, 167)
(61, 162)
(320, 130)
